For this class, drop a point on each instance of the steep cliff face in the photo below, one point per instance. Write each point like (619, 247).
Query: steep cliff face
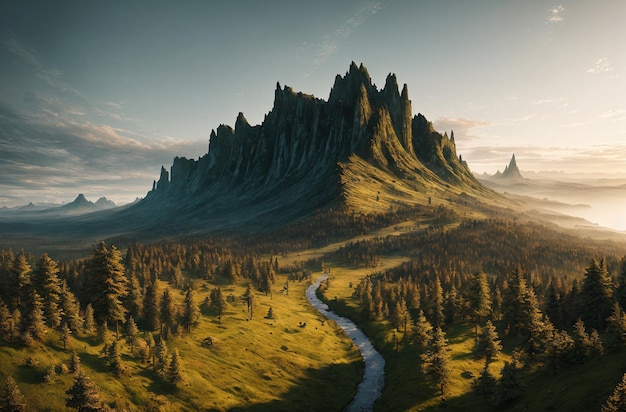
(362, 147)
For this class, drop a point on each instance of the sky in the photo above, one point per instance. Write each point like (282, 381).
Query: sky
(96, 96)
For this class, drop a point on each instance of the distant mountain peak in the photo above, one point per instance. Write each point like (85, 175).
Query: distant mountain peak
(104, 203)
(512, 171)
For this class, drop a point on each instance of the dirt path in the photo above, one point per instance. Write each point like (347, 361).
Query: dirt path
(373, 381)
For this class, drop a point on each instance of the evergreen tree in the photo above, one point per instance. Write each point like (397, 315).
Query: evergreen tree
(105, 333)
(131, 333)
(617, 400)
(436, 360)
(65, 335)
(597, 292)
(249, 298)
(70, 309)
(19, 273)
(485, 384)
(84, 394)
(115, 358)
(218, 303)
(488, 344)
(134, 298)
(422, 331)
(560, 350)
(177, 280)
(174, 374)
(162, 357)
(74, 362)
(582, 343)
(33, 324)
(596, 342)
(45, 280)
(620, 292)
(5, 322)
(616, 328)
(191, 312)
(479, 298)
(89, 322)
(167, 310)
(151, 306)
(509, 387)
(107, 285)
(14, 401)
(437, 316)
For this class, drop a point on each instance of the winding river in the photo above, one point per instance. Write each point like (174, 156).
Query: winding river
(374, 376)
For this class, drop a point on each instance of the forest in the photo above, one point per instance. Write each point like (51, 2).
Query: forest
(515, 300)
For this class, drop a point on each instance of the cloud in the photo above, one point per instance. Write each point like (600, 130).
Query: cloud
(556, 14)
(330, 44)
(460, 126)
(602, 65)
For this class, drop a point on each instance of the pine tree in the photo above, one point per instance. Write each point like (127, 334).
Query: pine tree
(5, 322)
(191, 312)
(134, 298)
(70, 309)
(616, 328)
(479, 298)
(617, 400)
(249, 298)
(74, 362)
(65, 335)
(560, 350)
(14, 401)
(107, 284)
(115, 358)
(177, 280)
(485, 384)
(421, 332)
(84, 394)
(218, 303)
(436, 311)
(19, 273)
(45, 280)
(436, 360)
(162, 357)
(167, 310)
(131, 333)
(488, 344)
(620, 292)
(89, 322)
(597, 292)
(509, 387)
(174, 374)
(33, 323)
(582, 343)
(151, 306)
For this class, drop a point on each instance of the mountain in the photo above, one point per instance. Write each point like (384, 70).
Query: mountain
(77, 206)
(104, 203)
(512, 171)
(361, 148)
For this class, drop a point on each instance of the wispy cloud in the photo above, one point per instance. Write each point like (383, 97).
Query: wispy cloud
(330, 44)
(555, 14)
(602, 65)
(462, 127)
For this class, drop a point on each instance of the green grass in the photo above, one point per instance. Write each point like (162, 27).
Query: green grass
(259, 364)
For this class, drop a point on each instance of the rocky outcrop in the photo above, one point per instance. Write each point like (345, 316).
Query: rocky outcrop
(512, 171)
(310, 153)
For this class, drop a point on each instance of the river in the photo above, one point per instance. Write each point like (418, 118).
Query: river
(374, 376)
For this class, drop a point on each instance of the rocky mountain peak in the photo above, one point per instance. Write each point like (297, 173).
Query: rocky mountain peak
(512, 171)
(309, 153)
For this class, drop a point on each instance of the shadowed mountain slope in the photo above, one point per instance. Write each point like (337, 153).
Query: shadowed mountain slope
(361, 148)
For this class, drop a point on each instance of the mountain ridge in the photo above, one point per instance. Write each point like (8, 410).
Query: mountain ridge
(361, 148)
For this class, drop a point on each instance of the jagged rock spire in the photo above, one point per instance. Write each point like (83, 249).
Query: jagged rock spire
(512, 171)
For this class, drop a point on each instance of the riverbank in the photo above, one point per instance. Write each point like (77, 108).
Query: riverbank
(373, 381)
